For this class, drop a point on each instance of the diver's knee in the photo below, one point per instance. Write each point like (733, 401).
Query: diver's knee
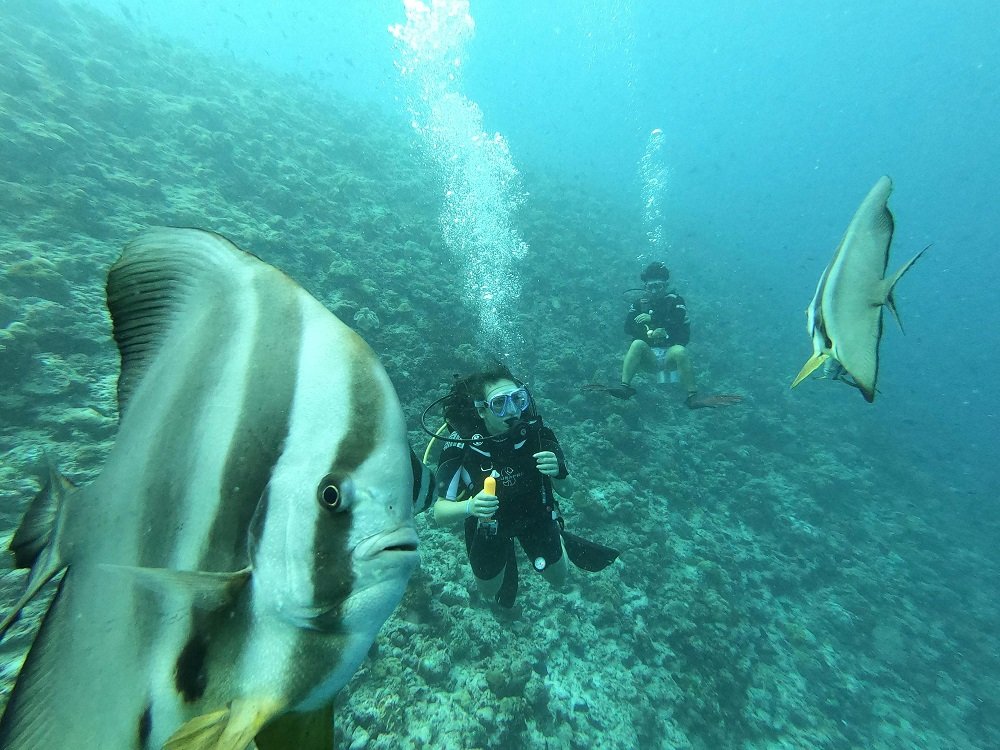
(638, 347)
(678, 355)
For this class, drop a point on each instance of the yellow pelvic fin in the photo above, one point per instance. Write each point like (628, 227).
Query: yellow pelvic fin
(232, 728)
(807, 369)
(199, 733)
(305, 731)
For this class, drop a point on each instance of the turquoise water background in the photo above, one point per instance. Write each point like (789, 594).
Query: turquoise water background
(777, 117)
(804, 570)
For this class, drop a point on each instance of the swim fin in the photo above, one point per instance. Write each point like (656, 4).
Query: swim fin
(507, 592)
(588, 555)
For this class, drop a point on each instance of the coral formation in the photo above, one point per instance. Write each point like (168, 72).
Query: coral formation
(366, 319)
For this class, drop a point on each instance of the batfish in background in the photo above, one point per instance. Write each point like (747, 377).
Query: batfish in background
(845, 317)
(251, 531)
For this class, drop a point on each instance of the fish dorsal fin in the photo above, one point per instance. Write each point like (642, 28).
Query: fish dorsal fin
(232, 728)
(303, 731)
(157, 277)
(890, 286)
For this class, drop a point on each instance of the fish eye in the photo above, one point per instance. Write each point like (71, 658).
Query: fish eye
(329, 494)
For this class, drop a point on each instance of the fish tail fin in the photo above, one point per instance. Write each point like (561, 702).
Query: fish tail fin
(890, 287)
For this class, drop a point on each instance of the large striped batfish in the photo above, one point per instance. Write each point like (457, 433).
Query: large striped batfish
(845, 316)
(251, 531)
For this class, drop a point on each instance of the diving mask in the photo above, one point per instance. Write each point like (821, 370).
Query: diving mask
(511, 404)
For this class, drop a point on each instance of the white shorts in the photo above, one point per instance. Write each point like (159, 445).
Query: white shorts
(663, 366)
(660, 352)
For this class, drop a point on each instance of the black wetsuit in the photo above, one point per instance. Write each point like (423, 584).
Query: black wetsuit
(527, 509)
(668, 312)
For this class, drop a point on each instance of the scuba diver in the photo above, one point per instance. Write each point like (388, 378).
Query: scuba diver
(497, 434)
(658, 324)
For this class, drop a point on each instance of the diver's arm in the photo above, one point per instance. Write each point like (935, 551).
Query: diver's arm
(550, 460)
(552, 463)
(445, 510)
(633, 329)
(680, 324)
(450, 512)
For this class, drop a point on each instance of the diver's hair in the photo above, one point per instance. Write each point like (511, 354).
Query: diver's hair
(459, 410)
(655, 270)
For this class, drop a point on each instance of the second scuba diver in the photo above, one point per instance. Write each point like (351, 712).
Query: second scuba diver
(496, 432)
(658, 324)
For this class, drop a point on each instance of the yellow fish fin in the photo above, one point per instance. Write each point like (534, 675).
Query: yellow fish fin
(807, 369)
(302, 731)
(200, 732)
(232, 728)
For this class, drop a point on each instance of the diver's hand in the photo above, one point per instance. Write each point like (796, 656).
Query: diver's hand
(483, 505)
(547, 463)
(658, 333)
(643, 318)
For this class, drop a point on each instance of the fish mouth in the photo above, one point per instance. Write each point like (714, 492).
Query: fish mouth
(399, 541)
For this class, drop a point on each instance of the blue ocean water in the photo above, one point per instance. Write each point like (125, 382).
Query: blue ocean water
(775, 119)
(778, 118)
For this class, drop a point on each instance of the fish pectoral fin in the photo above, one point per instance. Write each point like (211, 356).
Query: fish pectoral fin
(303, 731)
(809, 367)
(33, 544)
(232, 728)
(35, 532)
(35, 584)
(207, 591)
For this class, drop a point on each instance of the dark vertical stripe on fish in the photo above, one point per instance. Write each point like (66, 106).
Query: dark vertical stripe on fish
(365, 412)
(174, 457)
(190, 678)
(145, 726)
(360, 436)
(263, 425)
(268, 390)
